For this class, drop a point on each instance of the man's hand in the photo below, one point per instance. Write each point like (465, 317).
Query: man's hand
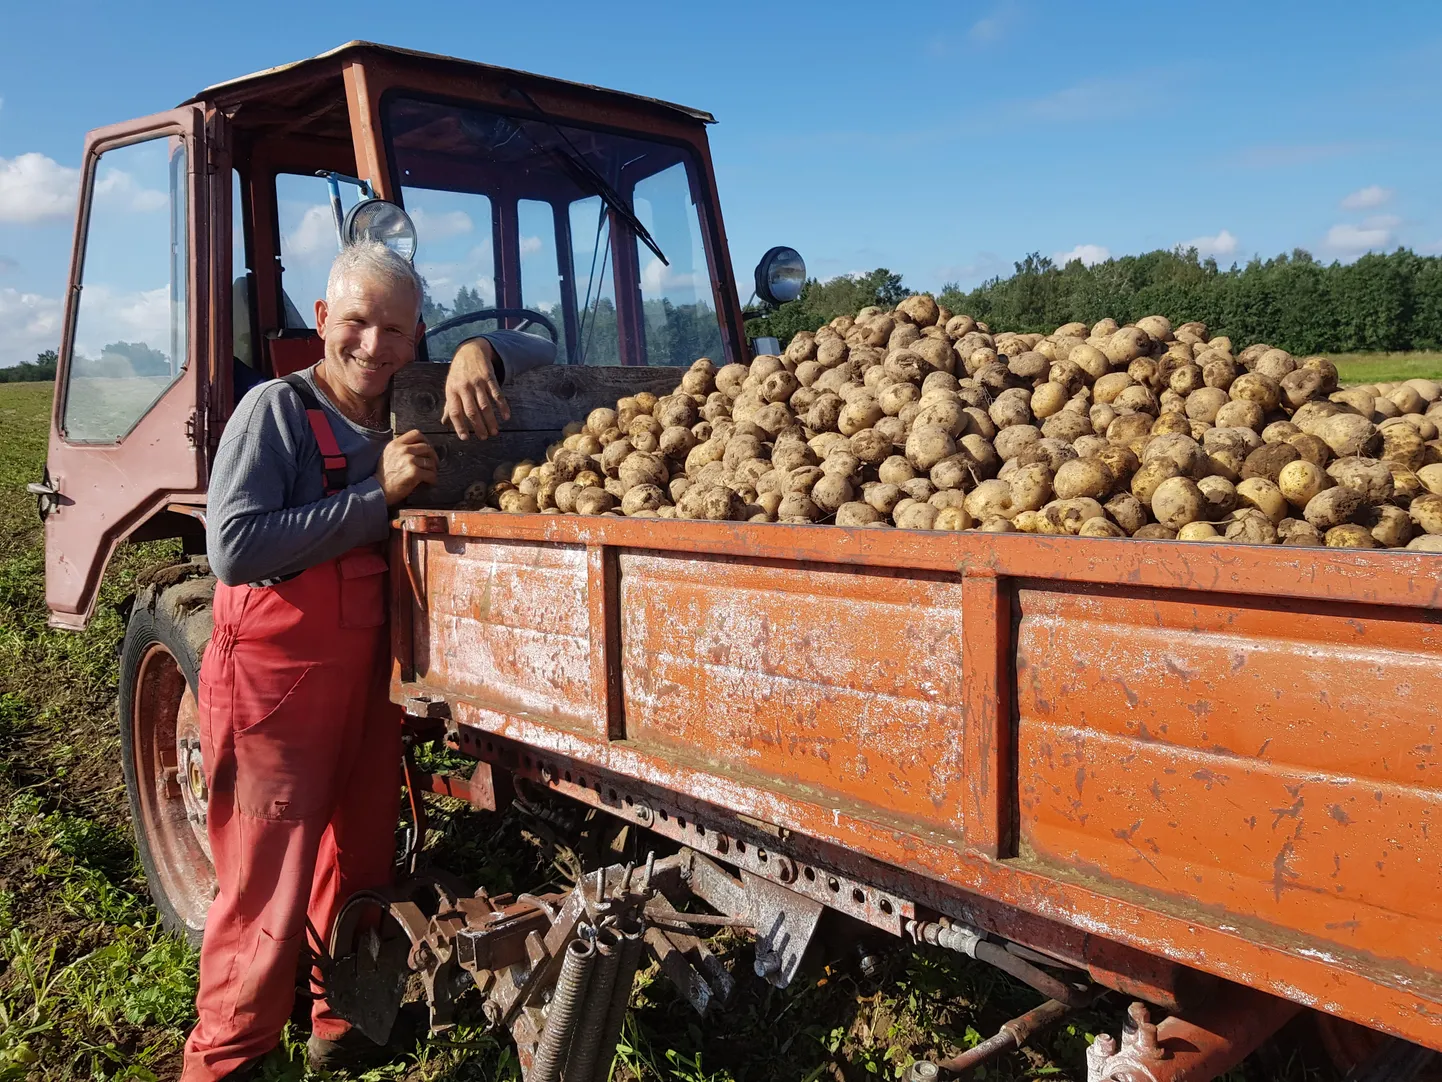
(473, 394)
(407, 462)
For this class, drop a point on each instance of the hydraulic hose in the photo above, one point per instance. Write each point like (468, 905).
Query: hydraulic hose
(1052, 987)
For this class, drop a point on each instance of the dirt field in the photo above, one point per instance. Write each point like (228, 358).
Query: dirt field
(91, 987)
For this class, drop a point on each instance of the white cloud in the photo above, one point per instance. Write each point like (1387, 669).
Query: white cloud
(1375, 232)
(994, 26)
(530, 246)
(1097, 99)
(1223, 244)
(34, 188)
(657, 279)
(118, 188)
(32, 325)
(439, 226)
(109, 316)
(1087, 253)
(476, 272)
(1374, 195)
(314, 237)
(1292, 155)
(32, 322)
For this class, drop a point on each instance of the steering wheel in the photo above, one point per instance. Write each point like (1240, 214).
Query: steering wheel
(527, 315)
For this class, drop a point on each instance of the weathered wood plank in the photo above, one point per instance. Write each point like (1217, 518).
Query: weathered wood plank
(465, 461)
(543, 399)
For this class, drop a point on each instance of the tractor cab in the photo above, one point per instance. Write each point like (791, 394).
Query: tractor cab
(204, 236)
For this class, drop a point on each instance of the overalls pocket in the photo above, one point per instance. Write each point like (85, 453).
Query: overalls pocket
(363, 581)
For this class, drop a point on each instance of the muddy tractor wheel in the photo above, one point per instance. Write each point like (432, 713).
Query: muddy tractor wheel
(160, 746)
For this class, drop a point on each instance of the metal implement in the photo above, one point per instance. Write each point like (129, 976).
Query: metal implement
(1218, 1037)
(556, 969)
(1010, 1036)
(591, 1023)
(564, 1010)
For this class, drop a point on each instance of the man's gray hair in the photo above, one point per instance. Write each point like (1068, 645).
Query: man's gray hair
(373, 261)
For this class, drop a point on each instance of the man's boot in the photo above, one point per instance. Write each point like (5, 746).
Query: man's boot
(352, 1050)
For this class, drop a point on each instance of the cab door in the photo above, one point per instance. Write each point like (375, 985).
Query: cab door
(127, 432)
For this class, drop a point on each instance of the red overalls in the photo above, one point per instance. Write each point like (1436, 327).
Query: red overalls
(302, 746)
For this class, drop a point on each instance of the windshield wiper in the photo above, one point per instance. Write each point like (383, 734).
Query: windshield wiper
(586, 176)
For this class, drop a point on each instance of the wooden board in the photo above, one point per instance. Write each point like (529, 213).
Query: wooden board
(543, 399)
(463, 462)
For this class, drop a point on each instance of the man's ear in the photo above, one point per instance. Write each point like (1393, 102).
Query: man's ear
(321, 311)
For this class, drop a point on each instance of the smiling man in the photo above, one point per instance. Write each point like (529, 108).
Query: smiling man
(301, 742)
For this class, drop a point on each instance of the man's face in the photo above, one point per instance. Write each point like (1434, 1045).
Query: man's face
(370, 332)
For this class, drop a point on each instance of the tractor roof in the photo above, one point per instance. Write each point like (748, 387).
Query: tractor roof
(331, 63)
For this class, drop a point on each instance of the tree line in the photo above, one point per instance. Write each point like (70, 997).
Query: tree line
(1389, 302)
(39, 370)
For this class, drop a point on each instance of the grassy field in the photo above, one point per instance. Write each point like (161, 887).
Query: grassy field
(1387, 367)
(91, 987)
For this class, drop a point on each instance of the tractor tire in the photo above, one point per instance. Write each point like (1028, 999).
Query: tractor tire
(165, 640)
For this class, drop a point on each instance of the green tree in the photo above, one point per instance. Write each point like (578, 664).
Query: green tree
(820, 302)
(1379, 302)
(36, 371)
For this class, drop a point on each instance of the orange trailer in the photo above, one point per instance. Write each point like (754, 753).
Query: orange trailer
(1164, 764)
(1202, 775)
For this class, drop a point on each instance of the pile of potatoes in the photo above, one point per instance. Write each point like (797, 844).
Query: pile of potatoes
(921, 419)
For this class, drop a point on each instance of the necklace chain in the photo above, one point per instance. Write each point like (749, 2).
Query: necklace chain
(372, 418)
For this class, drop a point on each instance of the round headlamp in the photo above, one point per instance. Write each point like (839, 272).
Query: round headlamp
(381, 220)
(780, 275)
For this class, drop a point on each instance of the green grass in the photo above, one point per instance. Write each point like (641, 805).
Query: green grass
(1355, 368)
(92, 988)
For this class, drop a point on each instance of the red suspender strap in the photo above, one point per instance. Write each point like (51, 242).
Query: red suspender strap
(332, 461)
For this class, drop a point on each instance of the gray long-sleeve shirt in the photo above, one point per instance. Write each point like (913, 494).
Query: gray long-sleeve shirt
(268, 514)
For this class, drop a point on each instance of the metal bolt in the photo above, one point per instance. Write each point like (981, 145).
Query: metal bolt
(767, 962)
(869, 962)
(1141, 1033)
(921, 1071)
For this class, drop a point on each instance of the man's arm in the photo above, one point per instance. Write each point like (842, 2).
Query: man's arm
(251, 534)
(479, 367)
(517, 352)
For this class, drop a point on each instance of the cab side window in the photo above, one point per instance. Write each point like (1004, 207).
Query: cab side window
(308, 242)
(130, 341)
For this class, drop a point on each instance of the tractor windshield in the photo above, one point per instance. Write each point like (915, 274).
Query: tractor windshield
(599, 233)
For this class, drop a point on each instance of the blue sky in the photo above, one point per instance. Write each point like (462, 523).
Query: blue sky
(941, 140)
